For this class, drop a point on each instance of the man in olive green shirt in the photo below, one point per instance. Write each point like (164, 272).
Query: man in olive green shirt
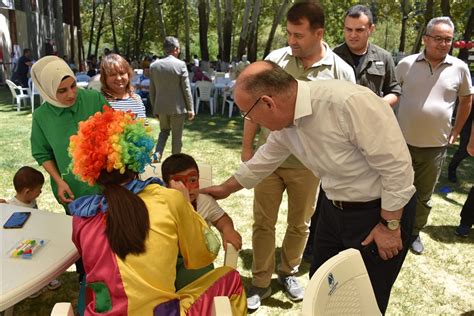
(373, 66)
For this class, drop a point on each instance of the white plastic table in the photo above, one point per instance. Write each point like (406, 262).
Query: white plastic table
(22, 277)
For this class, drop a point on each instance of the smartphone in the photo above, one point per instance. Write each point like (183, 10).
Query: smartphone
(371, 253)
(17, 220)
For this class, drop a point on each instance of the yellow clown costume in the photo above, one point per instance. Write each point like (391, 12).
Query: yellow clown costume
(143, 284)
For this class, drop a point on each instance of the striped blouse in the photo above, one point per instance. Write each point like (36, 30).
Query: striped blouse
(133, 104)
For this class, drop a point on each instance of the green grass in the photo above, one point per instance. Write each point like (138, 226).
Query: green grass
(438, 282)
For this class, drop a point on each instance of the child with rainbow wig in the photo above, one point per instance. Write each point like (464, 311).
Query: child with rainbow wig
(130, 235)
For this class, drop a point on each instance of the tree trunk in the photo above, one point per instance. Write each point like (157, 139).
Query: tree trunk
(445, 8)
(203, 27)
(71, 34)
(227, 36)
(112, 24)
(99, 31)
(236, 35)
(91, 34)
(186, 32)
(421, 31)
(80, 44)
(219, 29)
(253, 32)
(446, 11)
(138, 42)
(404, 8)
(276, 22)
(245, 30)
(464, 53)
(161, 22)
(136, 27)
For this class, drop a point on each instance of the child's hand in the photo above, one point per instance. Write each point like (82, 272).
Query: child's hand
(233, 237)
(178, 185)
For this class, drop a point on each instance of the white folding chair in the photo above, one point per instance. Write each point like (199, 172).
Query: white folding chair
(341, 286)
(19, 94)
(204, 93)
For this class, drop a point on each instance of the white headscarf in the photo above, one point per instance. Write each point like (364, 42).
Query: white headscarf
(47, 74)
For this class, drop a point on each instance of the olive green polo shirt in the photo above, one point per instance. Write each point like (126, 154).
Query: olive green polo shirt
(330, 67)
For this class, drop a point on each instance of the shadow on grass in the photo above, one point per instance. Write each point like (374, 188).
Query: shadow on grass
(445, 234)
(43, 304)
(247, 254)
(218, 129)
(273, 300)
(465, 176)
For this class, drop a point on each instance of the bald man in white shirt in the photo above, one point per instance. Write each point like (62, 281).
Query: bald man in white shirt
(349, 138)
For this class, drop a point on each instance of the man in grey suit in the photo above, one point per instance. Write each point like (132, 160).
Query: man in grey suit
(170, 95)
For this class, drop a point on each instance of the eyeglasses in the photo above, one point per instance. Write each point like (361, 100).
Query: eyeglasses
(244, 114)
(439, 39)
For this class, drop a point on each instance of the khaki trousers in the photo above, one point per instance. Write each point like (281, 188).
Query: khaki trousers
(173, 123)
(301, 186)
(427, 164)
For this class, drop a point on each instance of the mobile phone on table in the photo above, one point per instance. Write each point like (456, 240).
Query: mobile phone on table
(17, 220)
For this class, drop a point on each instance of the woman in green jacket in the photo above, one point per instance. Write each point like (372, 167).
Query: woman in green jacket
(64, 106)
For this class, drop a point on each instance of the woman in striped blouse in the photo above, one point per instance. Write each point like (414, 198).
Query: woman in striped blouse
(115, 76)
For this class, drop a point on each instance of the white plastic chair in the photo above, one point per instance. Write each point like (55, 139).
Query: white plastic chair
(32, 92)
(228, 98)
(62, 309)
(221, 306)
(219, 75)
(341, 286)
(204, 93)
(95, 83)
(82, 78)
(19, 94)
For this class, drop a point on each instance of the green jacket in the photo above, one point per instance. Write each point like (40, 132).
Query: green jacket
(377, 71)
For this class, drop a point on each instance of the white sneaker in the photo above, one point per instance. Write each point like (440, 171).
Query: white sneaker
(36, 294)
(53, 285)
(417, 246)
(255, 295)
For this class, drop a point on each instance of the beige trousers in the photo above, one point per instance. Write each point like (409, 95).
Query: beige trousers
(301, 186)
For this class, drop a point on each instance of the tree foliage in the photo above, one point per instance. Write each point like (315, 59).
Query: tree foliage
(252, 27)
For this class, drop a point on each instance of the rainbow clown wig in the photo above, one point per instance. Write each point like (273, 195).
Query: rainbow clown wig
(107, 141)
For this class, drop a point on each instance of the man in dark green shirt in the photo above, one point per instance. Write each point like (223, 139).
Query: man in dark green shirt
(373, 66)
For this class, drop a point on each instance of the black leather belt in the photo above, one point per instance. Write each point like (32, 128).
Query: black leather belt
(357, 205)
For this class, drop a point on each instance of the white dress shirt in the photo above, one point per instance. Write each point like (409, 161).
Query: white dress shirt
(348, 137)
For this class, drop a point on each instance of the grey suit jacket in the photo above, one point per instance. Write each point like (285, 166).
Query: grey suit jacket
(170, 90)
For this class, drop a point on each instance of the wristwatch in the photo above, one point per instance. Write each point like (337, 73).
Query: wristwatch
(392, 224)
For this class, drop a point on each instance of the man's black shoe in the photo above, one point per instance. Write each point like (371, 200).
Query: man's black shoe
(452, 176)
